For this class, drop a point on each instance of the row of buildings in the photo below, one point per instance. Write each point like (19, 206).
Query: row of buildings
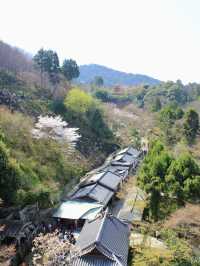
(103, 239)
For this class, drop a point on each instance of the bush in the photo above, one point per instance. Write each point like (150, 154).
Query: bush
(79, 101)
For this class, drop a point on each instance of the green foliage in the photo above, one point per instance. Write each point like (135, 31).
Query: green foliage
(48, 61)
(106, 96)
(98, 81)
(184, 178)
(79, 101)
(166, 179)
(191, 125)
(168, 118)
(169, 114)
(181, 251)
(167, 92)
(70, 69)
(8, 175)
(156, 105)
(177, 253)
(103, 95)
(152, 176)
(8, 79)
(84, 112)
(32, 170)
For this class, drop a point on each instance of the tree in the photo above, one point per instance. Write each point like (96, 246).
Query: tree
(79, 101)
(191, 125)
(55, 128)
(47, 61)
(152, 176)
(103, 95)
(167, 120)
(98, 81)
(53, 66)
(49, 250)
(70, 69)
(9, 175)
(156, 106)
(40, 61)
(184, 178)
(14, 59)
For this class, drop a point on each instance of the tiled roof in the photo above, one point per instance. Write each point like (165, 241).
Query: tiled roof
(107, 179)
(108, 235)
(131, 151)
(94, 261)
(94, 192)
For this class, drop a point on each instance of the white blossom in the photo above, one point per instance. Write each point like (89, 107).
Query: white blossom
(49, 127)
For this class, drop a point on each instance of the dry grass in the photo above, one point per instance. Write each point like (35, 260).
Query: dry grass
(187, 216)
(123, 119)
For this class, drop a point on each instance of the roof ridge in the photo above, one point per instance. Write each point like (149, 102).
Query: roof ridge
(98, 237)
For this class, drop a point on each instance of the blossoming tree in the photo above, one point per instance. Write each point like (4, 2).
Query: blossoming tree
(49, 127)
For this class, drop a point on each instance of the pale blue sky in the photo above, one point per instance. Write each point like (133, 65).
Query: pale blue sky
(160, 38)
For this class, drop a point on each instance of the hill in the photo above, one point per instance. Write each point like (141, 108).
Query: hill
(113, 77)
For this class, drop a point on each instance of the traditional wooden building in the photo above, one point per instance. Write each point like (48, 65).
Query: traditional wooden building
(102, 242)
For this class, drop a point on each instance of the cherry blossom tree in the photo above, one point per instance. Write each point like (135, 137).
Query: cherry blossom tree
(49, 127)
(50, 250)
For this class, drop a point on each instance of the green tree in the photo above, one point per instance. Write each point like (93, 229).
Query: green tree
(103, 95)
(184, 179)
(98, 81)
(53, 66)
(70, 69)
(47, 61)
(40, 61)
(167, 122)
(86, 113)
(191, 125)
(9, 175)
(152, 176)
(79, 101)
(156, 106)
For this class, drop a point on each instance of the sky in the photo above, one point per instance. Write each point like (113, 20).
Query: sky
(159, 38)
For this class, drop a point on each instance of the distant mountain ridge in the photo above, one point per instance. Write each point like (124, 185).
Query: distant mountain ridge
(113, 77)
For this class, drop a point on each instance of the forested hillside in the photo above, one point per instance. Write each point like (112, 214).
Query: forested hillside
(165, 116)
(51, 132)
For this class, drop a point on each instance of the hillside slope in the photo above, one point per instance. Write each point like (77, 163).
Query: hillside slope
(113, 77)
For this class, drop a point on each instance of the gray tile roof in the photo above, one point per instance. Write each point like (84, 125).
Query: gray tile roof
(119, 170)
(108, 235)
(94, 192)
(131, 151)
(94, 261)
(107, 179)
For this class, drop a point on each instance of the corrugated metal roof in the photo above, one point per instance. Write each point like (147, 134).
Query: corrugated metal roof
(94, 192)
(76, 209)
(106, 234)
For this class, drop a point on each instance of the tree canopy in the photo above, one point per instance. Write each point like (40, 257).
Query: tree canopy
(70, 69)
(79, 101)
(191, 125)
(164, 177)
